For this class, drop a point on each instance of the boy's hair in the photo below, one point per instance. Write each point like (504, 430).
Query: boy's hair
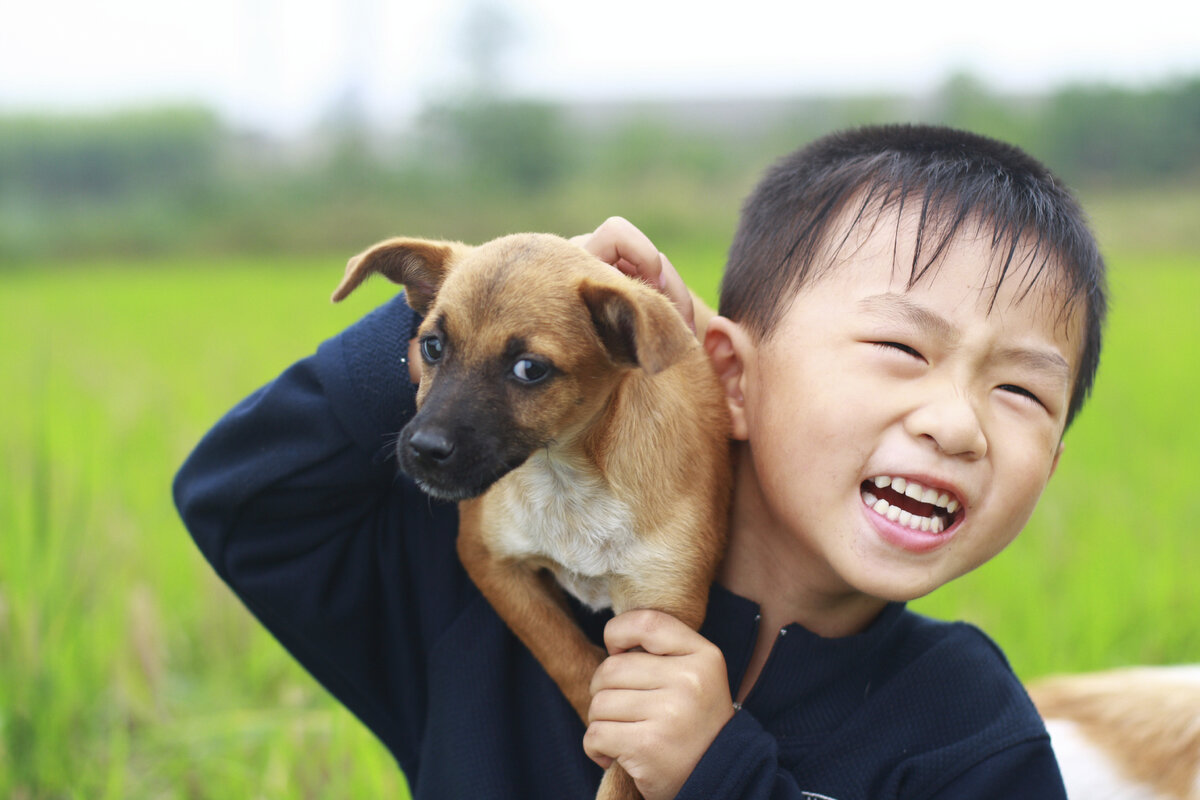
(952, 177)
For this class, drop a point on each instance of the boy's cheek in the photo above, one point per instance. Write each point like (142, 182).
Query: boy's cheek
(1054, 462)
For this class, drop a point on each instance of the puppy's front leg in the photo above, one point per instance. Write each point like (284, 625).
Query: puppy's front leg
(533, 606)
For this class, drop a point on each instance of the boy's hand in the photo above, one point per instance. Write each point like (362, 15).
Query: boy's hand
(656, 712)
(618, 242)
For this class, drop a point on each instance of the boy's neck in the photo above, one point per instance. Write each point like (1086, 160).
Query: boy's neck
(765, 564)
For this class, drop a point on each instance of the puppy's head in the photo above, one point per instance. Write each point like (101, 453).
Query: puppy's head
(524, 340)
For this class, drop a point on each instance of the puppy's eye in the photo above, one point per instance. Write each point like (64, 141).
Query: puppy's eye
(527, 370)
(432, 349)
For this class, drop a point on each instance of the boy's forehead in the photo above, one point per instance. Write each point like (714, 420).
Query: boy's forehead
(1005, 272)
(993, 274)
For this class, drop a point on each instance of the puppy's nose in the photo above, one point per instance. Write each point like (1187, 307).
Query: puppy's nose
(431, 446)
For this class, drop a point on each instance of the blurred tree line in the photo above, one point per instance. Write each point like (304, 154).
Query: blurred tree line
(179, 180)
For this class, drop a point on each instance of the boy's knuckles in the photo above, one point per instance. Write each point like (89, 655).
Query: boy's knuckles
(605, 706)
(609, 673)
(598, 737)
(649, 621)
(691, 685)
(615, 224)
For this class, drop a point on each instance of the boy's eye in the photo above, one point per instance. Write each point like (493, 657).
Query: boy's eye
(901, 347)
(1020, 390)
(432, 349)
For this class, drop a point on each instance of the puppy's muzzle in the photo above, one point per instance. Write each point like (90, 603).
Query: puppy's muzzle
(430, 448)
(459, 461)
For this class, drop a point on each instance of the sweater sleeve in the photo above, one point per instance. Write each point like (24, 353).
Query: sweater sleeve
(743, 762)
(1027, 770)
(294, 499)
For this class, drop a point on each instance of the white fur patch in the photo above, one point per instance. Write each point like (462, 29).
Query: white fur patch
(565, 512)
(1087, 771)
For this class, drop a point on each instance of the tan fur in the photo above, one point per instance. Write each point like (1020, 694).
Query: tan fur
(1145, 720)
(636, 423)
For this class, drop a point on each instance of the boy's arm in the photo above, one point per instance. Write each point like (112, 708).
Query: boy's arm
(661, 707)
(743, 762)
(293, 499)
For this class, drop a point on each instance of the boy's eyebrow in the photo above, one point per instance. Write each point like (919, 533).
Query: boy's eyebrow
(1045, 361)
(898, 307)
(902, 309)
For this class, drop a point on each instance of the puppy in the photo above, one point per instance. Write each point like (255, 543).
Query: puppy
(576, 420)
(1125, 734)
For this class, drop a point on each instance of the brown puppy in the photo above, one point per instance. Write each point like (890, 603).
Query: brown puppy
(1125, 734)
(576, 420)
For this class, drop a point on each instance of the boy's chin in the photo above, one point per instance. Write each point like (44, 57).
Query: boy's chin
(900, 588)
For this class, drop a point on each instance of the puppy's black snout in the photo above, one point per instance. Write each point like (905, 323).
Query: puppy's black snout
(428, 445)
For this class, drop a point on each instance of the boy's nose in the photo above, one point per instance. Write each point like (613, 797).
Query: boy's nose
(950, 422)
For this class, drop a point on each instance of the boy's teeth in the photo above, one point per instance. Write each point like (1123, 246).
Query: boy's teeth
(943, 500)
(918, 492)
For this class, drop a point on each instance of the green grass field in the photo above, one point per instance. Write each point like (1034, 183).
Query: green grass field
(127, 670)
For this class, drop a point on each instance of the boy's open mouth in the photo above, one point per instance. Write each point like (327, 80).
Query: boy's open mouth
(911, 504)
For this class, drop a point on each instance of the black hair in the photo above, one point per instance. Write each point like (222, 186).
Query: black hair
(955, 178)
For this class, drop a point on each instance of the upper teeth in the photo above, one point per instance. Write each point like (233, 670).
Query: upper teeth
(918, 492)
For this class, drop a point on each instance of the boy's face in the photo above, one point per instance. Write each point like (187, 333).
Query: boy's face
(867, 387)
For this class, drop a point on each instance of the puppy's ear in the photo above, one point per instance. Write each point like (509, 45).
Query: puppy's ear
(418, 264)
(639, 334)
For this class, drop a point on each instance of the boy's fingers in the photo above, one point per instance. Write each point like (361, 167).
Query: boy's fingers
(619, 242)
(601, 741)
(629, 670)
(618, 705)
(655, 632)
(672, 285)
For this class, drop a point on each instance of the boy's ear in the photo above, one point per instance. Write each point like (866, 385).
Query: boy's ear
(728, 346)
(418, 264)
(647, 335)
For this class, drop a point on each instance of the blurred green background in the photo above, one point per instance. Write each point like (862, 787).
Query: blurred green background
(159, 263)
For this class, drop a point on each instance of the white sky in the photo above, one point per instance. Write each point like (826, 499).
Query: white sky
(279, 64)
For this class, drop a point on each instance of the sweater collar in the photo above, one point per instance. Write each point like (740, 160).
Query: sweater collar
(824, 673)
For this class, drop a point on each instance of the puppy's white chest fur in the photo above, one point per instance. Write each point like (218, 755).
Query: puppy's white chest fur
(563, 511)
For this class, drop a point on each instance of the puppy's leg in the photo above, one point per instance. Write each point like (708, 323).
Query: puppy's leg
(676, 586)
(617, 785)
(532, 605)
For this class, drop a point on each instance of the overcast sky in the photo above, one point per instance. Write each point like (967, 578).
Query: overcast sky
(280, 64)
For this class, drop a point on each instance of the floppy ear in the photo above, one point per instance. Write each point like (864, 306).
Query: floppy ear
(418, 264)
(639, 334)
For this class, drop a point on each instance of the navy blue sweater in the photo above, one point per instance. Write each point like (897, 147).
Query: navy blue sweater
(295, 500)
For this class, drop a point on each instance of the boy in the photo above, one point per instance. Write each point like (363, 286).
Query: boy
(910, 319)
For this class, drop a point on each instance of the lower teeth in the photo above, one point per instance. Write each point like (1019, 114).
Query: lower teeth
(935, 524)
